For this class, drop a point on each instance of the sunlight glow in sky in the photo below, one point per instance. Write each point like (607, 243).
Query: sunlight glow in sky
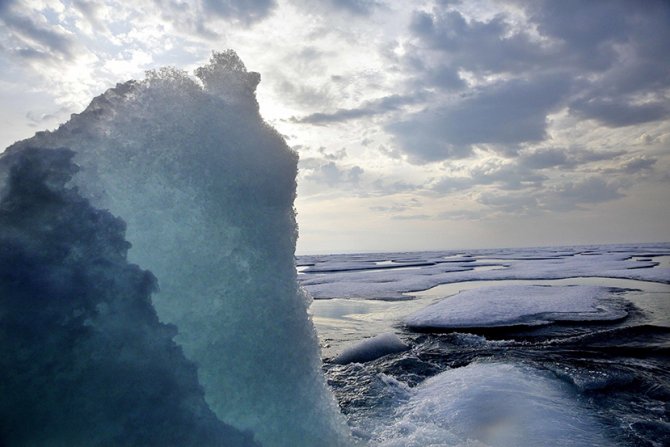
(420, 125)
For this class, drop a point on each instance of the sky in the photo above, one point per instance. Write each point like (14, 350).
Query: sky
(421, 125)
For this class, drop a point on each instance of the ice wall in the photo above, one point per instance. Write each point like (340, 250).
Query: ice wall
(84, 360)
(206, 188)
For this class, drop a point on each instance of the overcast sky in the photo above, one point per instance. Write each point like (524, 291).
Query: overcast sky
(420, 125)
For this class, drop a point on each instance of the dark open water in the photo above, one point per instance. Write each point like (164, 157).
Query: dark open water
(617, 373)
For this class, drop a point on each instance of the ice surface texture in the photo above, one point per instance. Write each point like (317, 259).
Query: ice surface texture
(84, 360)
(362, 276)
(371, 348)
(487, 307)
(494, 404)
(206, 188)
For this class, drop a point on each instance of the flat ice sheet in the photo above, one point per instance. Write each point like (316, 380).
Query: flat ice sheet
(519, 305)
(360, 275)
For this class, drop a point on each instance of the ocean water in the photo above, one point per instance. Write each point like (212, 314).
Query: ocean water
(573, 379)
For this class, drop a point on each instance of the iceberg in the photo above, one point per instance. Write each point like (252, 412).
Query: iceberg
(205, 188)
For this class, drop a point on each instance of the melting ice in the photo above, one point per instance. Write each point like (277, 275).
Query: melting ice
(543, 346)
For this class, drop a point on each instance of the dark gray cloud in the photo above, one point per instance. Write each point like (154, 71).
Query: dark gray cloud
(621, 43)
(195, 17)
(620, 112)
(368, 108)
(354, 7)
(598, 60)
(638, 165)
(590, 190)
(566, 196)
(587, 29)
(521, 183)
(545, 158)
(510, 202)
(4, 4)
(330, 173)
(90, 10)
(511, 176)
(506, 114)
(491, 46)
(564, 158)
(248, 11)
(33, 39)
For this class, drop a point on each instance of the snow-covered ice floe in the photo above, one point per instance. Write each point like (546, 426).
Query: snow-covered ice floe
(528, 305)
(364, 276)
(492, 404)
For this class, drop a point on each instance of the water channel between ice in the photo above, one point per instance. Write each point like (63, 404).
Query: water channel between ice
(341, 322)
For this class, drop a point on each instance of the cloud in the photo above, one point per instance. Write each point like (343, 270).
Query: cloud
(248, 11)
(563, 158)
(383, 187)
(460, 215)
(199, 18)
(588, 30)
(510, 202)
(635, 165)
(339, 155)
(619, 113)
(397, 207)
(525, 61)
(421, 217)
(561, 197)
(590, 190)
(354, 7)
(490, 46)
(34, 38)
(91, 11)
(620, 44)
(545, 158)
(506, 176)
(505, 114)
(368, 108)
(330, 173)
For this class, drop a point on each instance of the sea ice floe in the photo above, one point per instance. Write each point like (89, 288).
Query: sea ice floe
(354, 276)
(498, 306)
